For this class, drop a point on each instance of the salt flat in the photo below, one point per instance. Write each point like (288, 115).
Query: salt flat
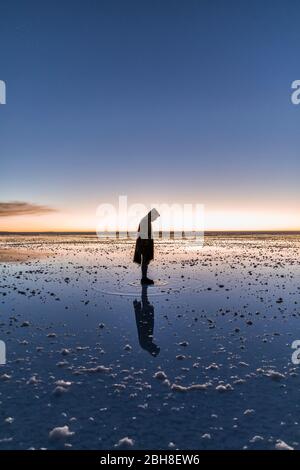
(203, 360)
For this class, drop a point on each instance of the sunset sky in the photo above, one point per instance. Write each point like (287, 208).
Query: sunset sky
(163, 101)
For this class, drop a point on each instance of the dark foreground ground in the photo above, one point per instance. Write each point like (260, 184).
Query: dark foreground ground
(201, 361)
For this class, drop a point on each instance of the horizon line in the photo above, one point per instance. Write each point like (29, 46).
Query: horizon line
(92, 232)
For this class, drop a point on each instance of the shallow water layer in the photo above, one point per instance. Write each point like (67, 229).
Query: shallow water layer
(202, 360)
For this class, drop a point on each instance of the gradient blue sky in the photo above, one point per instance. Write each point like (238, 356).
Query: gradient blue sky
(173, 101)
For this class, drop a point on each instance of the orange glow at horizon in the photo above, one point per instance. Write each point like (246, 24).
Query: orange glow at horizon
(221, 220)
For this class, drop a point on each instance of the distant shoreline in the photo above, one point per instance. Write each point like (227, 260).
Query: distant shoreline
(206, 233)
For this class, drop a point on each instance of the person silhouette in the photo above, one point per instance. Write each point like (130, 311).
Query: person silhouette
(144, 317)
(144, 247)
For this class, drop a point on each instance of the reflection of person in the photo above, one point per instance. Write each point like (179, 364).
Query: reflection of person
(144, 247)
(144, 317)
(2, 353)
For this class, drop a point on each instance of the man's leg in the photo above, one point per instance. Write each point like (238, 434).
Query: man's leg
(145, 279)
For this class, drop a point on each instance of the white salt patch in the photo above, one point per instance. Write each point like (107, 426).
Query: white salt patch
(224, 388)
(180, 357)
(281, 445)
(119, 386)
(33, 380)
(65, 352)
(125, 442)
(58, 391)
(9, 420)
(62, 383)
(256, 439)
(60, 433)
(5, 377)
(93, 370)
(160, 375)
(181, 388)
(199, 386)
(6, 439)
(212, 366)
(274, 375)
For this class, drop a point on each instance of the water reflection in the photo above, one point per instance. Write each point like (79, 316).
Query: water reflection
(144, 317)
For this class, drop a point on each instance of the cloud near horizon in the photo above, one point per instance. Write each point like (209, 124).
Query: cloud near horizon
(16, 208)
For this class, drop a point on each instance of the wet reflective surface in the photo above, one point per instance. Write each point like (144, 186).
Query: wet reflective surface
(202, 360)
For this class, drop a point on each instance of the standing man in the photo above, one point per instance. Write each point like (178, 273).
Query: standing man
(144, 247)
